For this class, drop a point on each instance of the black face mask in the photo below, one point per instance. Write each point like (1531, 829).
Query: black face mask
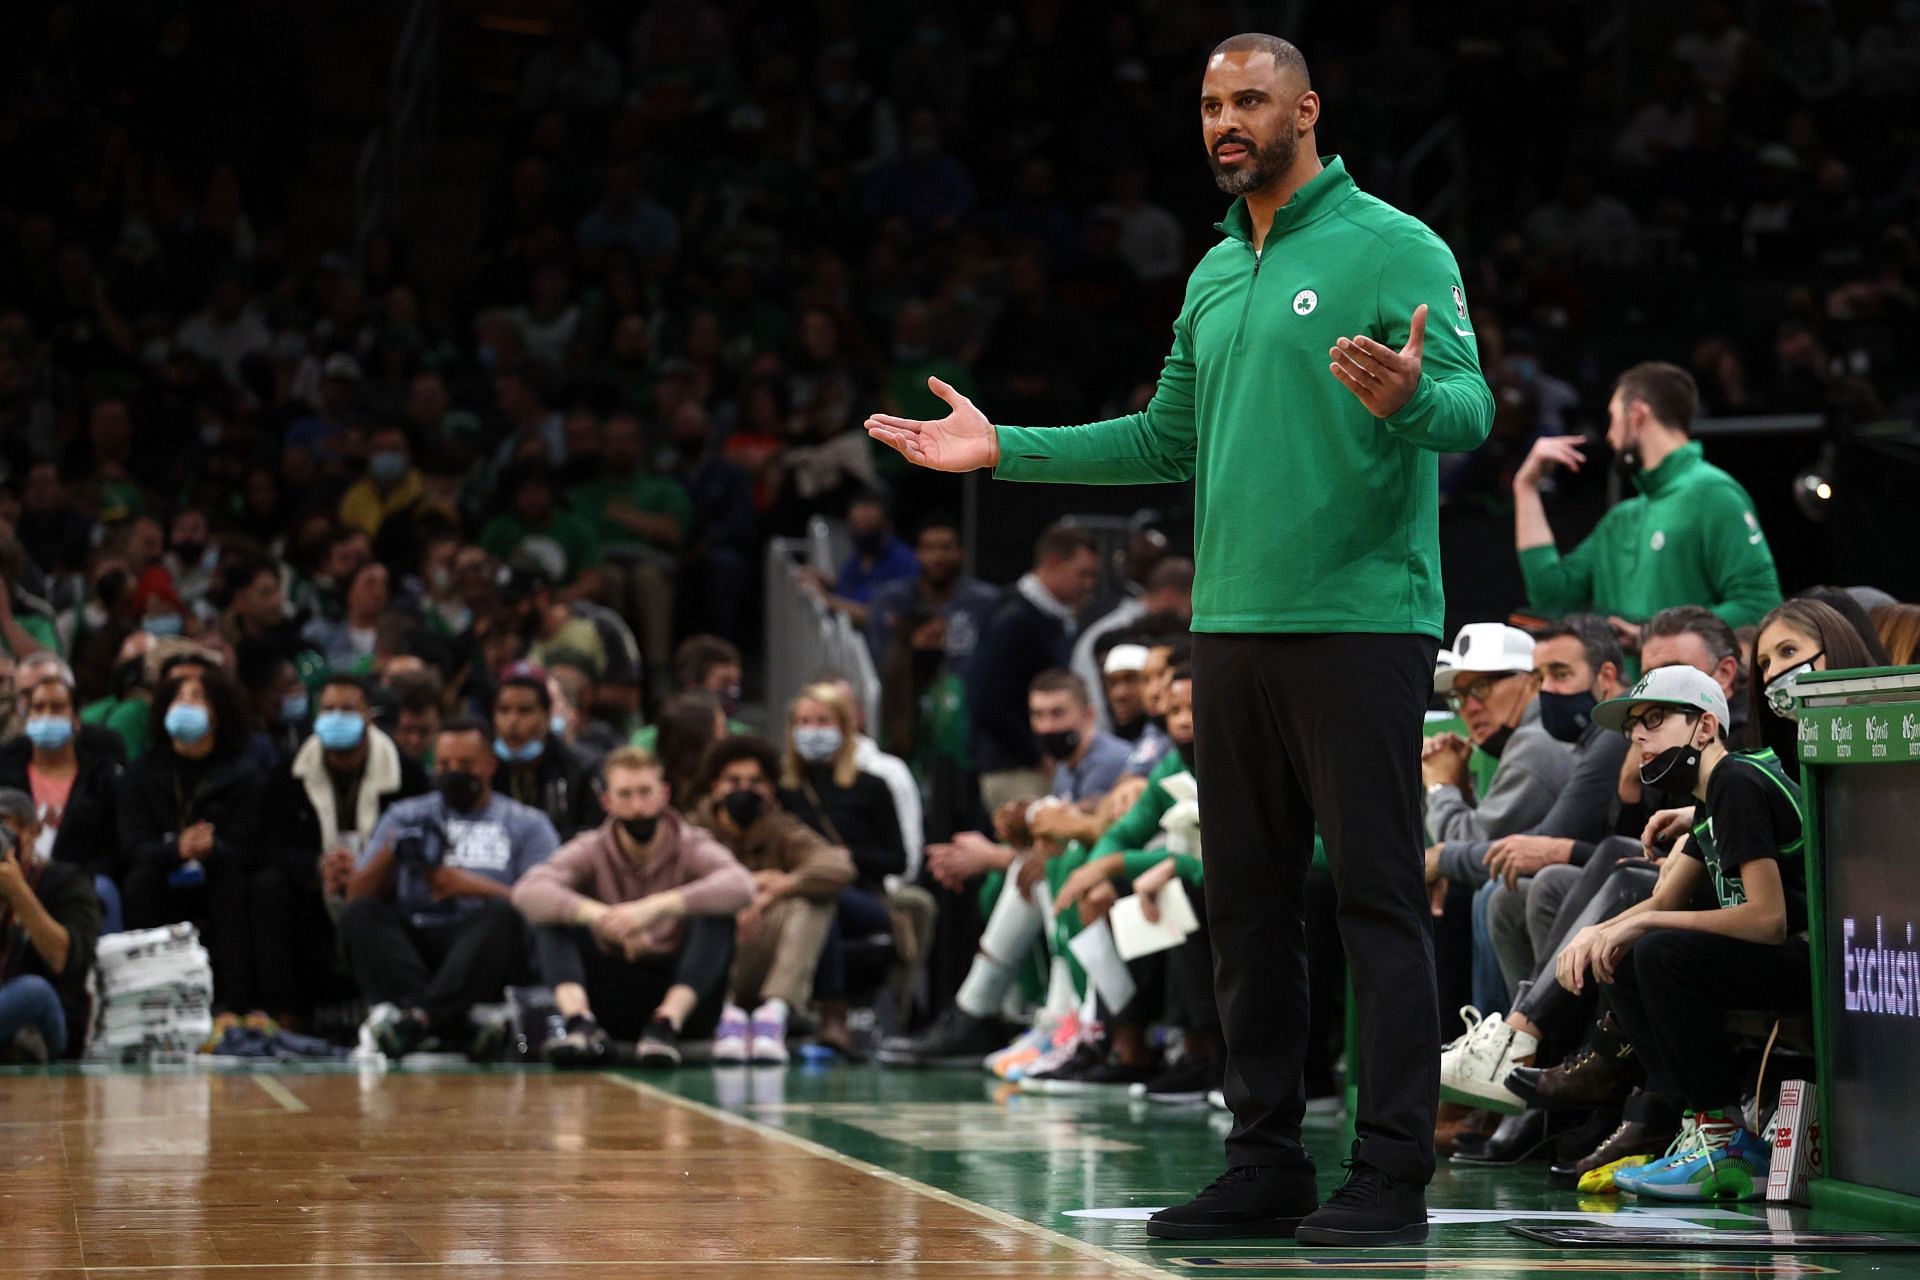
(1061, 745)
(127, 677)
(1130, 730)
(1674, 772)
(641, 829)
(1497, 741)
(1157, 722)
(189, 552)
(744, 807)
(1566, 715)
(461, 791)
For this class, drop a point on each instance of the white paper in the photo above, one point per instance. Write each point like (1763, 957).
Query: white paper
(1093, 948)
(1134, 935)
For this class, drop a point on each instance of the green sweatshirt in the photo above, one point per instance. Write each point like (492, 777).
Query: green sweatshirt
(1690, 537)
(1311, 515)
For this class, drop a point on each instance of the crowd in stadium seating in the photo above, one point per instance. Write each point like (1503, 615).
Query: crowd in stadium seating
(396, 639)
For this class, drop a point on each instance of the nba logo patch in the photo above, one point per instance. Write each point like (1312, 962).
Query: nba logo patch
(1459, 302)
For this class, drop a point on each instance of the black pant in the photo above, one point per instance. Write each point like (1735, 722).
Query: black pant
(1294, 729)
(247, 912)
(859, 913)
(1552, 1007)
(444, 969)
(1671, 993)
(624, 993)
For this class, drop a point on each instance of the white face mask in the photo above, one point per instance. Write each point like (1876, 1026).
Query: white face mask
(1780, 687)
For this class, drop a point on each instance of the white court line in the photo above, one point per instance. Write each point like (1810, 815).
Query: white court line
(279, 1093)
(1119, 1262)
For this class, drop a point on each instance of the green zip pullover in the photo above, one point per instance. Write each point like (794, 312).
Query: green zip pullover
(1311, 515)
(1690, 537)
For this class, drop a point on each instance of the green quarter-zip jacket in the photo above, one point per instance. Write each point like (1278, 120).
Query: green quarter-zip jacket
(1688, 537)
(1311, 515)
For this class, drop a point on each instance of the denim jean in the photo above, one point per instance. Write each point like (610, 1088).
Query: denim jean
(1490, 992)
(31, 1001)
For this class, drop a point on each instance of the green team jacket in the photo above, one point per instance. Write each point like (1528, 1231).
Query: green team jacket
(1311, 515)
(1690, 537)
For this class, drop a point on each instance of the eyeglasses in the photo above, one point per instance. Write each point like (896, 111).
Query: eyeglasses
(1479, 690)
(1654, 717)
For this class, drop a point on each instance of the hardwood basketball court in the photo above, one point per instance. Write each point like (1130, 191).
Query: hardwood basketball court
(824, 1173)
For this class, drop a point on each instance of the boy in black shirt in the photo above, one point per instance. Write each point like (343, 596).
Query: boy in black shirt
(1672, 972)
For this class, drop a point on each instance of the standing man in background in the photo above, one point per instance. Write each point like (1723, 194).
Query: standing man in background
(1322, 361)
(1688, 537)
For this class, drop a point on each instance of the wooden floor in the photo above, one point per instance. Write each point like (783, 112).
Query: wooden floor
(829, 1173)
(239, 1175)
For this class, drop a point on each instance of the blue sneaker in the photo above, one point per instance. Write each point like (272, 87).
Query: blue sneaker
(1683, 1142)
(1721, 1161)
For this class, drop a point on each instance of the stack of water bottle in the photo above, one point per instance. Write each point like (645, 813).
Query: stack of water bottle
(152, 995)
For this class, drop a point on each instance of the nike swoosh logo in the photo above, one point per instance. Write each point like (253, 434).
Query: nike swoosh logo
(1465, 333)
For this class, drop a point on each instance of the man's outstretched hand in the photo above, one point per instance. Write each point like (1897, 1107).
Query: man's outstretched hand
(962, 441)
(1383, 379)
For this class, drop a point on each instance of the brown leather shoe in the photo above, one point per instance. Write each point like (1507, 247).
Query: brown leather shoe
(1457, 1125)
(1589, 1080)
(1632, 1138)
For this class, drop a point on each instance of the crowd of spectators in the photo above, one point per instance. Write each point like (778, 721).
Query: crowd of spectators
(392, 628)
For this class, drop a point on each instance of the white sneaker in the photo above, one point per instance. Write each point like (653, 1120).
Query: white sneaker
(1217, 1099)
(1026, 1049)
(1474, 1068)
(731, 1038)
(768, 1036)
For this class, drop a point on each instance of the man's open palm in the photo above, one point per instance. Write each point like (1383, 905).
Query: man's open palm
(1380, 377)
(962, 441)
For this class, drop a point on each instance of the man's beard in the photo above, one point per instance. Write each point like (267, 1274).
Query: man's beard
(1260, 168)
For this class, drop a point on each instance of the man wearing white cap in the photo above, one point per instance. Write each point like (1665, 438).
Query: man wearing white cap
(1123, 675)
(1672, 972)
(1488, 680)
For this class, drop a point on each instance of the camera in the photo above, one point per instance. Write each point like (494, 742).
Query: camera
(421, 847)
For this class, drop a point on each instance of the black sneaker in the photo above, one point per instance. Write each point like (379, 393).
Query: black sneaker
(576, 1043)
(1371, 1207)
(659, 1047)
(1247, 1201)
(1190, 1081)
(1088, 1055)
(397, 1032)
(957, 1039)
(487, 1041)
(1099, 1077)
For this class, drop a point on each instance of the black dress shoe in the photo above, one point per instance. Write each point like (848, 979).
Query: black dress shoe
(1247, 1201)
(1517, 1139)
(1371, 1208)
(1630, 1138)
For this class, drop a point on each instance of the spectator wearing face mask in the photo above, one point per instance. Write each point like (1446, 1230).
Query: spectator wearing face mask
(334, 791)
(72, 772)
(1798, 638)
(49, 925)
(391, 486)
(878, 557)
(633, 923)
(798, 876)
(537, 768)
(347, 643)
(709, 665)
(190, 826)
(428, 929)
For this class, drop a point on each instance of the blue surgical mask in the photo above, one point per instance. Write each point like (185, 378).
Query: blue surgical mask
(388, 466)
(558, 725)
(816, 744)
(521, 754)
(188, 722)
(166, 624)
(49, 733)
(340, 730)
(294, 707)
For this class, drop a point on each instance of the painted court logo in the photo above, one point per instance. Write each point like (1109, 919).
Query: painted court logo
(1305, 301)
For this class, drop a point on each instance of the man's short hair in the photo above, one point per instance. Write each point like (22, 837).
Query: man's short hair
(1667, 390)
(15, 803)
(731, 751)
(465, 724)
(1181, 671)
(1063, 542)
(1061, 680)
(629, 758)
(1596, 637)
(1685, 619)
(1173, 573)
(237, 575)
(346, 679)
(533, 684)
(699, 655)
(416, 691)
(1286, 56)
(50, 666)
(937, 520)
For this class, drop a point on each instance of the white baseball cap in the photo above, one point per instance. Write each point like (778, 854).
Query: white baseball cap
(1483, 647)
(1125, 657)
(1678, 686)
